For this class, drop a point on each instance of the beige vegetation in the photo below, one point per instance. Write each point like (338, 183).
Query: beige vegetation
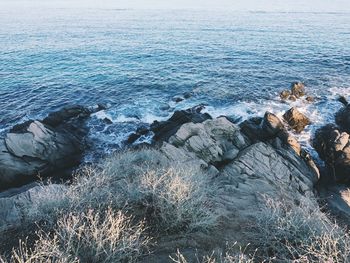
(209, 194)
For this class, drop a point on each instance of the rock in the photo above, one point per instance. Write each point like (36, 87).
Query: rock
(271, 125)
(262, 129)
(292, 98)
(136, 135)
(187, 95)
(296, 119)
(16, 208)
(333, 146)
(298, 89)
(337, 201)
(246, 172)
(213, 141)
(343, 100)
(165, 129)
(178, 99)
(164, 107)
(342, 118)
(310, 99)
(56, 118)
(38, 149)
(285, 94)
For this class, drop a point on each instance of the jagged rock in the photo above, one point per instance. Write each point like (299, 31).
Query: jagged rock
(16, 207)
(163, 130)
(343, 100)
(253, 171)
(310, 99)
(285, 94)
(213, 141)
(298, 89)
(296, 119)
(333, 146)
(263, 128)
(342, 118)
(36, 149)
(337, 200)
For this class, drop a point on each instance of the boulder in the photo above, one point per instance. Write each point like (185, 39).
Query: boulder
(38, 149)
(17, 207)
(298, 89)
(244, 174)
(285, 94)
(163, 130)
(337, 202)
(333, 146)
(296, 119)
(342, 118)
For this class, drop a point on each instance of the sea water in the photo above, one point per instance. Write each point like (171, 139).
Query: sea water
(137, 61)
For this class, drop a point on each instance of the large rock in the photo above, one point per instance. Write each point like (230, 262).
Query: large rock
(298, 89)
(36, 149)
(333, 146)
(244, 173)
(163, 130)
(337, 202)
(342, 118)
(296, 119)
(17, 206)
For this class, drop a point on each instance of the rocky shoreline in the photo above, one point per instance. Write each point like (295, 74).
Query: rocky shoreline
(257, 157)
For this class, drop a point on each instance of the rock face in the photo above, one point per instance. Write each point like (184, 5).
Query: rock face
(333, 146)
(298, 89)
(244, 171)
(296, 119)
(41, 148)
(165, 129)
(342, 118)
(337, 201)
(15, 207)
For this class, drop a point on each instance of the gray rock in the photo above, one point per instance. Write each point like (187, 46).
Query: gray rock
(333, 146)
(298, 89)
(17, 208)
(36, 149)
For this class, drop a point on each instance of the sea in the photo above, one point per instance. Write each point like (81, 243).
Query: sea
(138, 62)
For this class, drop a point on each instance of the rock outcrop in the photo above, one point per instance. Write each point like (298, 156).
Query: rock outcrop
(163, 130)
(333, 146)
(19, 204)
(245, 169)
(296, 120)
(342, 118)
(41, 148)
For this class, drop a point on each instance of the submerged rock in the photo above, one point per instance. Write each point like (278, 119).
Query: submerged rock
(296, 119)
(37, 149)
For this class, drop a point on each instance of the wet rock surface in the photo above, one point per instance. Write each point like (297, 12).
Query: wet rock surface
(296, 120)
(37, 149)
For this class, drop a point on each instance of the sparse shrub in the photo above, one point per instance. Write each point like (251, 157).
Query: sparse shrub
(233, 254)
(290, 233)
(146, 184)
(91, 236)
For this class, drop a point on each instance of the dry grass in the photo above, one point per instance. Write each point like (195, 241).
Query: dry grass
(88, 237)
(290, 233)
(233, 254)
(163, 196)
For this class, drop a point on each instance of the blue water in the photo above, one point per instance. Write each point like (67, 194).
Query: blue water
(136, 61)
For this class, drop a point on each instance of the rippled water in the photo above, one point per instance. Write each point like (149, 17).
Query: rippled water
(137, 61)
